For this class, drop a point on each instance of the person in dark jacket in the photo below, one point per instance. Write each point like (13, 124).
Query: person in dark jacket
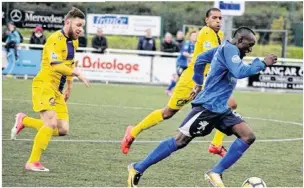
(146, 42)
(82, 42)
(99, 42)
(38, 37)
(168, 45)
(180, 39)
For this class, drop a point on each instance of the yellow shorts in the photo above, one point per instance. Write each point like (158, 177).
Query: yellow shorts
(44, 97)
(181, 94)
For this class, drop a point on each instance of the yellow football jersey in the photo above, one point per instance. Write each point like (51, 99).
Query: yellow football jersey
(57, 49)
(206, 40)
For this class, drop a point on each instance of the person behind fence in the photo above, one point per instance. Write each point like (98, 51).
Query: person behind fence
(82, 41)
(180, 39)
(99, 42)
(182, 60)
(13, 40)
(146, 42)
(38, 37)
(169, 45)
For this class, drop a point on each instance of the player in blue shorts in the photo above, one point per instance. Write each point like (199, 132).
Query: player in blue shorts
(210, 109)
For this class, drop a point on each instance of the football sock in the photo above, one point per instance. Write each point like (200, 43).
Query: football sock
(162, 151)
(218, 138)
(36, 124)
(41, 141)
(236, 150)
(171, 85)
(151, 120)
(32, 123)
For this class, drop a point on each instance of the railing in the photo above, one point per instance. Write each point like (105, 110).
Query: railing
(157, 53)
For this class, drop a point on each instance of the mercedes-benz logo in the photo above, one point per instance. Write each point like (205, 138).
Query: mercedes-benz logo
(16, 15)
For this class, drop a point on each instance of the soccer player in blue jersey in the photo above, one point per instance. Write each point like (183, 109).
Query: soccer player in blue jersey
(210, 109)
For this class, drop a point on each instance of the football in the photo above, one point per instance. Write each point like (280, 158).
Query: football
(254, 182)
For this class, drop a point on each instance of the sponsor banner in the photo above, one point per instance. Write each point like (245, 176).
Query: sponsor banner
(163, 69)
(120, 68)
(115, 24)
(28, 62)
(278, 77)
(30, 19)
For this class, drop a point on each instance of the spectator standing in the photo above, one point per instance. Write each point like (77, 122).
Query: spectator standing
(168, 45)
(180, 39)
(12, 40)
(99, 42)
(146, 42)
(37, 37)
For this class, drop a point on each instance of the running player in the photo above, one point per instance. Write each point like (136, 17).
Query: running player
(209, 37)
(210, 109)
(48, 97)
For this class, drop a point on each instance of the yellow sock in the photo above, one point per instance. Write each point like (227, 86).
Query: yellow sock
(32, 123)
(41, 141)
(218, 138)
(36, 124)
(151, 120)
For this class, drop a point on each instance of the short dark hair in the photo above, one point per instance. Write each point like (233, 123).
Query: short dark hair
(75, 13)
(211, 9)
(241, 29)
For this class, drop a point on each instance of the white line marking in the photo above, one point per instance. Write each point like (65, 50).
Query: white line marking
(155, 141)
(144, 108)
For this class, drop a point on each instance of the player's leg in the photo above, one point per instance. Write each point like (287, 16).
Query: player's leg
(179, 98)
(216, 146)
(232, 124)
(44, 102)
(195, 124)
(23, 121)
(41, 140)
(62, 116)
(172, 84)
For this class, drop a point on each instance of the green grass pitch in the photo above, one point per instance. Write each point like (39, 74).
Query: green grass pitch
(90, 155)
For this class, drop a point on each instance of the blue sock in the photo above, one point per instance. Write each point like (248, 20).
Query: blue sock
(236, 150)
(163, 150)
(172, 85)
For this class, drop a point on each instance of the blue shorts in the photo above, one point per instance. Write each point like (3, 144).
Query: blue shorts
(180, 70)
(200, 122)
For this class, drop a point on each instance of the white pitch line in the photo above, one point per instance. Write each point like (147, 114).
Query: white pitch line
(155, 141)
(144, 108)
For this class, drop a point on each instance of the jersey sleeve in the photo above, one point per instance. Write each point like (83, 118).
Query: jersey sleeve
(71, 77)
(200, 65)
(235, 65)
(185, 48)
(55, 50)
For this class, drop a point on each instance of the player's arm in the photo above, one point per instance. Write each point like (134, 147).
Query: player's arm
(200, 65)
(235, 65)
(57, 63)
(185, 50)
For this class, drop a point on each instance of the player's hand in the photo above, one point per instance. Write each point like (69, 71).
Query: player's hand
(81, 77)
(195, 91)
(270, 59)
(84, 80)
(67, 94)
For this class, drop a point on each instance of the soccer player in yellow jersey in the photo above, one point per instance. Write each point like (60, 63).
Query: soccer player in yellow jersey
(209, 37)
(48, 97)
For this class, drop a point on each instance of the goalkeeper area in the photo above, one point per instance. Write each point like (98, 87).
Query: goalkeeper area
(90, 155)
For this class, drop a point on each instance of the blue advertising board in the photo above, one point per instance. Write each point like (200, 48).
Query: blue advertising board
(28, 63)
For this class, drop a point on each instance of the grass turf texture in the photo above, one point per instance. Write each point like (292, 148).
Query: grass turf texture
(102, 112)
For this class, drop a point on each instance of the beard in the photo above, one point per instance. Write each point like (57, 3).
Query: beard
(71, 34)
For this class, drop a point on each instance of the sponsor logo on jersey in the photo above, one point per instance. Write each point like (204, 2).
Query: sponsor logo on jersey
(236, 59)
